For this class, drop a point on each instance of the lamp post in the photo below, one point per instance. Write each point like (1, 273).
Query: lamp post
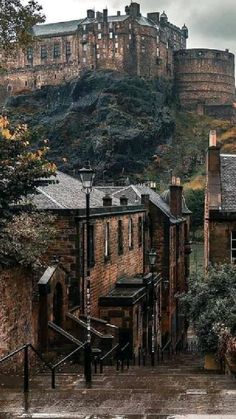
(152, 260)
(87, 177)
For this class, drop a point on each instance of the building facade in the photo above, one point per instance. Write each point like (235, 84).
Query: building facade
(129, 43)
(220, 206)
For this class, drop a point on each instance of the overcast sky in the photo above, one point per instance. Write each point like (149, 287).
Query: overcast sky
(212, 23)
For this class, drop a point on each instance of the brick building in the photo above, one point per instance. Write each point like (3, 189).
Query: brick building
(129, 43)
(126, 300)
(220, 206)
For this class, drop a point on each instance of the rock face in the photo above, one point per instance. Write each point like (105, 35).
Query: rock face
(115, 121)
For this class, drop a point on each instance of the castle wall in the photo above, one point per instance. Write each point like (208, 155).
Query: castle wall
(204, 76)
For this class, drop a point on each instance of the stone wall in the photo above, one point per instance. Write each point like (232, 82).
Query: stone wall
(18, 317)
(205, 76)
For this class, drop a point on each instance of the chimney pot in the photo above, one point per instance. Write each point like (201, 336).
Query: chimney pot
(118, 13)
(212, 138)
(105, 15)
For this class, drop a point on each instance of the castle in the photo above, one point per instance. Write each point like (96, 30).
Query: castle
(130, 43)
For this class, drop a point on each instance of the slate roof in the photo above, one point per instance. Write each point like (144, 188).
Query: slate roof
(134, 192)
(58, 28)
(67, 194)
(143, 21)
(228, 182)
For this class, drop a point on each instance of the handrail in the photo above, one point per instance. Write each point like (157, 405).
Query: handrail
(63, 333)
(11, 354)
(53, 368)
(108, 354)
(84, 325)
(123, 355)
(40, 356)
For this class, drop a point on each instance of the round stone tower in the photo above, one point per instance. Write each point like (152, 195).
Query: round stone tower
(204, 77)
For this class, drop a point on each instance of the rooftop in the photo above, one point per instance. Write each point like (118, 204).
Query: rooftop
(228, 182)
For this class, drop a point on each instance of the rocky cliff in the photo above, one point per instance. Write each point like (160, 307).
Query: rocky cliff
(115, 121)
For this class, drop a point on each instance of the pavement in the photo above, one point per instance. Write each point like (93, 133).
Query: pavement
(177, 389)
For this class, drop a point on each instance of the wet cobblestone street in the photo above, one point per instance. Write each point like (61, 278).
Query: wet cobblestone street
(176, 389)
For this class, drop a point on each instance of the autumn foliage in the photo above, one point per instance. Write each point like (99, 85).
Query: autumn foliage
(20, 167)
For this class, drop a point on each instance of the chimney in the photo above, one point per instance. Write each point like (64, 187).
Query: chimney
(123, 200)
(176, 192)
(134, 10)
(90, 14)
(107, 201)
(118, 13)
(99, 16)
(213, 157)
(105, 15)
(145, 200)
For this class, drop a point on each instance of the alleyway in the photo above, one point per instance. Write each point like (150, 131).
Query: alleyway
(176, 387)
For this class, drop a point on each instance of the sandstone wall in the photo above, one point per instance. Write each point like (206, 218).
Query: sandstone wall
(205, 76)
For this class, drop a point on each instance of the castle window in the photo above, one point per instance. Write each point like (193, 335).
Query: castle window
(44, 52)
(110, 25)
(68, 49)
(130, 36)
(84, 27)
(84, 37)
(111, 35)
(120, 237)
(143, 49)
(29, 54)
(116, 45)
(158, 52)
(116, 50)
(130, 26)
(130, 234)
(84, 60)
(98, 56)
(26, 83)
(56, 51)
(233, 247)
(116, 36)
(99, 26)
(100, 36)
(85, 47)
(158, 39)
(97, 46)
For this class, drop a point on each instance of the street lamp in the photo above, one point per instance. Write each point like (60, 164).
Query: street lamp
(87, 176)
(152, 255)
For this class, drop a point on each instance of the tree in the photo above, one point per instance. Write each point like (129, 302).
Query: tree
(20, 168)
(195, 202)
(16, 22)
(211, 306)
(23, 235)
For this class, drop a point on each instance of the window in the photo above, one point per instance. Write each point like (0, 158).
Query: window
(84, 27)
(111, 35)
(110, 25)
(233, 247)
(68, 49)
(29, 54)
(116, 36)
(143, 49)
(130, 36)
(107, 241)
(84, 60)
(158, 39)
(97, 46)
(56, 51)
(120, 237)
(116, 44)
(143, 37)
(84, 47)
(130, 233)
(158, 52)
(84, 37)
(100, 36)
(91, 246)
(98, 56)
(44, 52)
(99, 26)
(140, 231)
(130, 26)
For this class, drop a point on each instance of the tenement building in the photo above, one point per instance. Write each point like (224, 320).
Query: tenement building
(129, 43)
(220, 206)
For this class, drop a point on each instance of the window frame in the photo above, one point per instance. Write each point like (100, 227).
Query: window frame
(56, 50)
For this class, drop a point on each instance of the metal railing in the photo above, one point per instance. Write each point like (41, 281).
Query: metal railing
(110, 355)
(53, 367)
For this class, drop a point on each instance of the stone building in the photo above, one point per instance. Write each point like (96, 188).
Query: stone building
(220, 206)
(129, 43)
(205, 80)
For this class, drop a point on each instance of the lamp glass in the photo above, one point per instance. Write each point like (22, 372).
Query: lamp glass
(87, 176)
(152, 257)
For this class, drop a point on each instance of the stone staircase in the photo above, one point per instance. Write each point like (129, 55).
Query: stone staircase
(176, 388)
